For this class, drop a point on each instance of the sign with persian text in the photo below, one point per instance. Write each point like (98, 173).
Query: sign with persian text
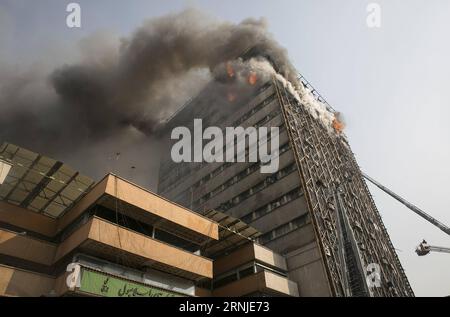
(100, 284)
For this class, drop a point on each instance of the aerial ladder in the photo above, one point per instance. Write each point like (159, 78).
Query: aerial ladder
(424, 248)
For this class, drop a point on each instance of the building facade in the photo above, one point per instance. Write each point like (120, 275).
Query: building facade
(316, 210)
(61, 234)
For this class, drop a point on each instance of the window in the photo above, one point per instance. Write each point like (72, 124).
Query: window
(262, 211)
(300, 221)
(247, 218)
(225, 280)
(246, 272)
(277, 203)
(175, 241)
(282, 230)
(259, 186)
(265, 237)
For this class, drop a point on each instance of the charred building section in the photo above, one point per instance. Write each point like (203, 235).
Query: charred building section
(316, 209)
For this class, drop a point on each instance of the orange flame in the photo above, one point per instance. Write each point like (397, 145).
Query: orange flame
(252, 78)
(230, 70)
(338, 125)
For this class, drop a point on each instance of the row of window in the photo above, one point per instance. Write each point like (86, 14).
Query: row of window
(239, 121)
(221, 168)
(183, 196)
(283, 229)
(166, 166)
(185, 167)
(274, 204)
(241, 272)
(232, 180)
(257, 188)
(124, 221)
(144, 228)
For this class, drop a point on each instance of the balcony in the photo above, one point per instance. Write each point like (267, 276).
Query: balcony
(111, 242)
(264, 282)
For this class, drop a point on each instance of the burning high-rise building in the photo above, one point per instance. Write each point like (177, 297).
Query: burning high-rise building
(316, 209)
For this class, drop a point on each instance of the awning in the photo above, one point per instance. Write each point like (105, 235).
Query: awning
(40, 183)
(232, 233)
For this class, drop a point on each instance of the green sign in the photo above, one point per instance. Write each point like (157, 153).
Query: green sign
(104, 285)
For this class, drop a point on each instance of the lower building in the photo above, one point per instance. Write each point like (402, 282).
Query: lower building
(61, 234)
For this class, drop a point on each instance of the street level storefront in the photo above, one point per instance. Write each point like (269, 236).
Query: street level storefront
(100, 284)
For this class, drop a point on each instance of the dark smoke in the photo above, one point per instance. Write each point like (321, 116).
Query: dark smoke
(162, 64)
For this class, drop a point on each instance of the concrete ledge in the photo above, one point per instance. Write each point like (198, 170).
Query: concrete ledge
(265, 282)
(113, 240)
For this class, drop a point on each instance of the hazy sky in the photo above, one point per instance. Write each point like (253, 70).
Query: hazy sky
(390, 83)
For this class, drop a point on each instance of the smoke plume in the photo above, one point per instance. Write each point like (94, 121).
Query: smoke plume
(140, 87)
(133, 87)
